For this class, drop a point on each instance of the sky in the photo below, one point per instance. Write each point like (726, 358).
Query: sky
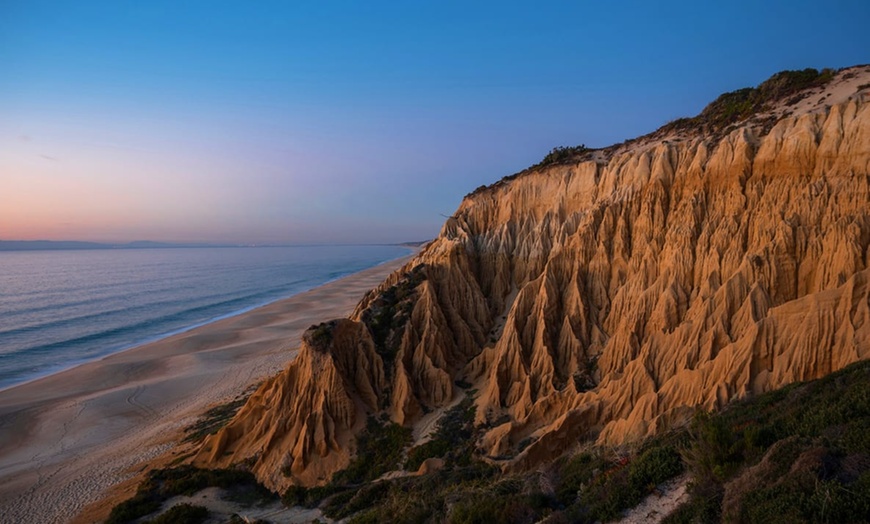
(350, 122)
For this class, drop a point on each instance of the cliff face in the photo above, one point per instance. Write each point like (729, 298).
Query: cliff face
(300, 423)
(602, 300)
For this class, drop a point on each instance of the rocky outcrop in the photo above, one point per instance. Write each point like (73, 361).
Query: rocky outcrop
(604, 299)
(298, 426)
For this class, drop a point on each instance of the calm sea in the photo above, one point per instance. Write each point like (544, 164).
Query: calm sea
(61, 308)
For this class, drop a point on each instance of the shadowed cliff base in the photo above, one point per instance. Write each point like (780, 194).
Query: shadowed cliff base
(797, 454)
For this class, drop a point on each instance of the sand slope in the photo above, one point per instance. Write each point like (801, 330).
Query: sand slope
(66, 438)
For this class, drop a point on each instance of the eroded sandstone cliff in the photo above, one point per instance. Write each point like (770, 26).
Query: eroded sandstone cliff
(603, 299)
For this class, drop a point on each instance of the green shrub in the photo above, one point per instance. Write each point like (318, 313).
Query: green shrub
(319, 336)
(352, 501)
(453, 438)
(214, 419)
(828, 419)
(654, 466)
(162, 484)
(575, 473)
(562, 154)
(387, 315)
(379, 449)
(485, 508)
(131, 509)
(735, 106)
(715, 451)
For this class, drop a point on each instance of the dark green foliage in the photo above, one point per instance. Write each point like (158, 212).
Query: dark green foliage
(452, 439)
(162, 484)
(354, 500)
(735, 106)
(808, 499)
(182, 514)
(187, 480)
(625, 485)
(485, 507)
(730, 107)
(422, 499)
(653, 467)
(594, 488)
(576, 473)
(214, 419)
(715, 452)
(563, 154)
(131, 509)
(319, 336)
(809, 448)
(379, 449)
(704, 506)
(308, 497)
(387, 315)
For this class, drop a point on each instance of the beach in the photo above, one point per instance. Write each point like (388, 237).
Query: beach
(66, 439)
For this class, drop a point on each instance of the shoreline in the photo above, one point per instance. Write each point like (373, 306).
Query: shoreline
(180, 331)
(66, 439)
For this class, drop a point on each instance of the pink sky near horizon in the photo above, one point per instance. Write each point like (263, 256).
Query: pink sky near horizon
(93, 179)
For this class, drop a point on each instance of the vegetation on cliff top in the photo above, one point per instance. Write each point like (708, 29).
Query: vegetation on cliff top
(735, 106)
(728, 109)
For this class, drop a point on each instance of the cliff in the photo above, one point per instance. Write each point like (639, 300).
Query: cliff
(603, 298)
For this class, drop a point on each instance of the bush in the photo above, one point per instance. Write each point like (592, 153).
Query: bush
(453, 438)
(214, 419)
(319, 336)
(803, 452)
(379, 449)
(576, 473)
(735, 106)
(131, 509)
(387, 314)
(162, 484)
(562, 154)
(653, 467)
(715, 451)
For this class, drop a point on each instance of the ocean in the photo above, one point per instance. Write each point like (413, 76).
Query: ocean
(62, 308)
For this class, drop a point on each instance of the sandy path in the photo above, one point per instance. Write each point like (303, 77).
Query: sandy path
(65, 439)
(654, 508)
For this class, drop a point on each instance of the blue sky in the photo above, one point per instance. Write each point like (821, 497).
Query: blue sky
(285, 122)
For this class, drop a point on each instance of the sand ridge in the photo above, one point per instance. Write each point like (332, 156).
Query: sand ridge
(67, 438)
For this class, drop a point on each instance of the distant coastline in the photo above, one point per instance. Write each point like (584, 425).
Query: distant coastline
(66, 245)
(71, 245)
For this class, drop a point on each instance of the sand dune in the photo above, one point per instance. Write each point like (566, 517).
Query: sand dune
(67, 438)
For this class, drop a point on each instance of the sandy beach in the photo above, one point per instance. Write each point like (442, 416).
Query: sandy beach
(68, 438)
